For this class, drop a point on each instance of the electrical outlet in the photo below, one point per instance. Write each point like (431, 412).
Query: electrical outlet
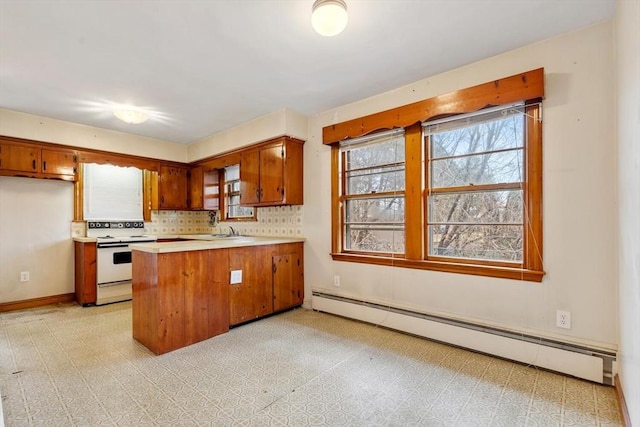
(336, 280)
(24, 276)
(563, 319)
(236, 277)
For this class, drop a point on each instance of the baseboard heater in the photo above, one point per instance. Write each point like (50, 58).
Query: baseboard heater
(576, 360)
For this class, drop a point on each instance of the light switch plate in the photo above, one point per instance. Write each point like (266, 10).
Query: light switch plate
(236, 277)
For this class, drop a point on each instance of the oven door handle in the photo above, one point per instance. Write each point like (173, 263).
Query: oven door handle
(112, 245)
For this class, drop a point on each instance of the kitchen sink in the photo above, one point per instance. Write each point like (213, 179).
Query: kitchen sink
(212, 236)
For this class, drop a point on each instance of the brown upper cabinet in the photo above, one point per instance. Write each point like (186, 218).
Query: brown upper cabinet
(271, 174)
(196, 188)
(31, 160)
(173, 187)
(204, 188)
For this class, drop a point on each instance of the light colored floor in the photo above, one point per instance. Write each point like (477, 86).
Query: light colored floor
(66, 366)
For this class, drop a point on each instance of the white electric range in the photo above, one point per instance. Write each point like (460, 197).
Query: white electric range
(113, 264)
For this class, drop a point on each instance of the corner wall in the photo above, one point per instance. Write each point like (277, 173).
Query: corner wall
(579, 203)
(627, 40)
(35, 217)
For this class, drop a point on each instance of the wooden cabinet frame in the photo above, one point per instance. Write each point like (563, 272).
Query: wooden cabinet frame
(56, 157)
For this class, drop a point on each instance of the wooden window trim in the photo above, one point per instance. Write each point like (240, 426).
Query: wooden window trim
(442, 266)
(527, 87)
(519, 87)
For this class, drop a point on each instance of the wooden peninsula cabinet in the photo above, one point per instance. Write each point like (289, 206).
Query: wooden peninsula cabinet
(179, 298)
(183, 291)
(272, 280)
(271, 173)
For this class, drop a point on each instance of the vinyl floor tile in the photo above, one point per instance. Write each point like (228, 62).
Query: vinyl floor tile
(65, 365)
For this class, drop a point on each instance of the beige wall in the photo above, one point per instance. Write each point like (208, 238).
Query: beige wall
(579, 202)
(627, 37)
(35, 215)
(21, 125)
(278, 123)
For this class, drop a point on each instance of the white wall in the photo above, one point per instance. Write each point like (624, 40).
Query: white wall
(628, 135)
(278, 123)
(35, 216)
(37, 128)
(579, 201)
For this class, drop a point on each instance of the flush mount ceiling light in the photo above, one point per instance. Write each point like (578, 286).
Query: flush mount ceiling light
(329, 17)
(130, 114)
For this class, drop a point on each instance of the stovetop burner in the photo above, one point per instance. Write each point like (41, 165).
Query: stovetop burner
(118, 231)
(115, 224)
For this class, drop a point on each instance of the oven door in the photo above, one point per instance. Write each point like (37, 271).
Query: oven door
(113, 263)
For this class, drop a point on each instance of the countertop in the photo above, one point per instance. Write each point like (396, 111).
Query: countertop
(203, 242)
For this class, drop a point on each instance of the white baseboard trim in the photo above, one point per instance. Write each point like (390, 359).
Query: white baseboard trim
(578, 361)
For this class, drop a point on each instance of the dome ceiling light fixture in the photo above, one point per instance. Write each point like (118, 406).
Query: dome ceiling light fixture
(329, 17)
(130, 114)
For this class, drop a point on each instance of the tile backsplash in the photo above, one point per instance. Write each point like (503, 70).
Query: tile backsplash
(285, 221)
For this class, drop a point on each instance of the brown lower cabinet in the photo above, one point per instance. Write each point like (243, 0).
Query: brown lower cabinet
(85, 256)
(180, 298)
(272, 280)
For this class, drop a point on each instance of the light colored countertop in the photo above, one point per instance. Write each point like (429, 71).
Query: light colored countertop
(203, 242)
(85, 239)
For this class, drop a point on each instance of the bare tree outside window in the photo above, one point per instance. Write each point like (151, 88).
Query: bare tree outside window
(475, 200)
(373, 199)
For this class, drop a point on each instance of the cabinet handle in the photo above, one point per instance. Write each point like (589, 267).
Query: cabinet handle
(257, 193)
(33, 164)
(162, 200)
(44, 165)
(274, 268)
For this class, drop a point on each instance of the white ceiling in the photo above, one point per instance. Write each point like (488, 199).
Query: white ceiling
(206, 66)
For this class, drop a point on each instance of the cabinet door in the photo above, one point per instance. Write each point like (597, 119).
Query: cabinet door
(288, 281)
(253, 297)
(272, 174)
(250, 178)
(172, 187)
(59, 162)
(19, 158)
(196, 187)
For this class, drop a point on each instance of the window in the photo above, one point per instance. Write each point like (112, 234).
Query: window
(233, 210)
(373, 193)
(454, 188)
(475, 195)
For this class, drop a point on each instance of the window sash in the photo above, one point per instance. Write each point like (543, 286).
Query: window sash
(368, 183)
(468, 238)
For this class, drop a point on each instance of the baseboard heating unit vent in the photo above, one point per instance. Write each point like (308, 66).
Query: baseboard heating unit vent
(579, 361)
